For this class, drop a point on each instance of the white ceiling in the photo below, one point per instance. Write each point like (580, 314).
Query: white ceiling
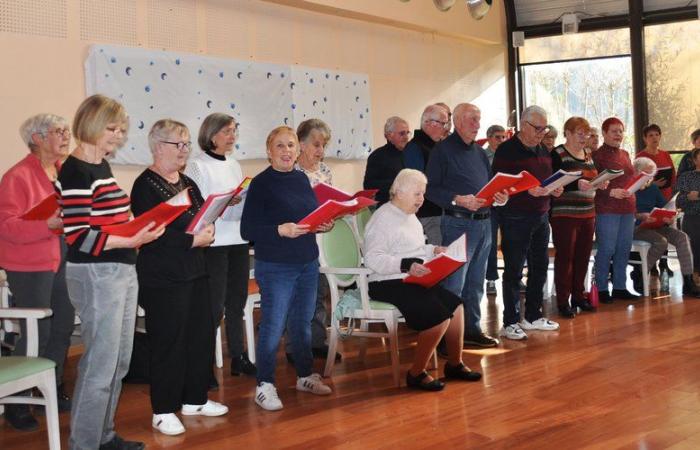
(537, 12)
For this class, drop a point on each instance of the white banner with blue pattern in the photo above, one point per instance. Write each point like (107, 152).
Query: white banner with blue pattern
(154, 85)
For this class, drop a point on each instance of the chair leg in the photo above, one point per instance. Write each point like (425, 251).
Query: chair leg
(392, 326)
(332, 346)
(249, 329)
(47, 386)
(364, 326)
(643, 253)
(218, 352)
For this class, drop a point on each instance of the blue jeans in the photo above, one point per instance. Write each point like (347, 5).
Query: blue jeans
(523, 236)
(287, 299)
(468, 281)
(492, 267)
(104, 296)
(613, 236)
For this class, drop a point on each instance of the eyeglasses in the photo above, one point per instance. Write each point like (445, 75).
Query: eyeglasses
(538, 130)
(403, 133)
(60, 131)
(581, 134)
(181, 146)
(115, 130)
(442, 124)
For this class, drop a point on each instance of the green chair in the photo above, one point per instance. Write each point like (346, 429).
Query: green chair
(341, 262)
(20, 373)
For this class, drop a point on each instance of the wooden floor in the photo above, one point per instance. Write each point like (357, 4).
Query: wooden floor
(627, 376)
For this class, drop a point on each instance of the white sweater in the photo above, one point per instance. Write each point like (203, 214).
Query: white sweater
(214, 176)
(392, 235)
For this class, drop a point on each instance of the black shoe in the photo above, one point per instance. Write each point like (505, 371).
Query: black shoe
(117, 443)
(322, 353)
(567, 312)
(20, 418)
(417, 382)
(604, 297)
(242, 365)
(690, 289)
(441, 348)
(480, 340)
(624, 294)
(584, 305)
(461, 372)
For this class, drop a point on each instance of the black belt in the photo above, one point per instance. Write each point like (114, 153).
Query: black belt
(465, 215)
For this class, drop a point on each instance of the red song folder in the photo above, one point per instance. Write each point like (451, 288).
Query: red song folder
(514, 184)
(214, 206)
(325, 192)
(162, 214)
(443, 264)
(42, 210)
(332, 209)
(658, 214)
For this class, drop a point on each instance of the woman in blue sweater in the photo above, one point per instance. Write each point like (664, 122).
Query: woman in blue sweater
(286, 265)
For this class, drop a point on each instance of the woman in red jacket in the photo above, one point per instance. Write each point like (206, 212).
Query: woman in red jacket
(32, 252)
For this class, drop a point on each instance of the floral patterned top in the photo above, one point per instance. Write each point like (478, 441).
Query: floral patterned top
(322, 175)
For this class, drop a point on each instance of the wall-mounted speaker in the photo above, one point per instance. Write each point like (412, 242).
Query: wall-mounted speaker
(518, 39)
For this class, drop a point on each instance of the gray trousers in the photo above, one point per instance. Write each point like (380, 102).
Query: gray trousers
(45, 290)
(659, 238)
(104, 295)
(431, 229)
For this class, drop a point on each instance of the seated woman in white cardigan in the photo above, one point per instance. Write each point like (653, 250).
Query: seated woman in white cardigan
(394, 246)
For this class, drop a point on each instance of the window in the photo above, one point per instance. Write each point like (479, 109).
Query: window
(673, 76)
(576, 46)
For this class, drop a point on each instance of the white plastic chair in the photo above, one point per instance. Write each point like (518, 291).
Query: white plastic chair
(20, 373)
(252, 302)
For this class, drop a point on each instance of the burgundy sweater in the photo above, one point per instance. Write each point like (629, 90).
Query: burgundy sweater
(607, 157)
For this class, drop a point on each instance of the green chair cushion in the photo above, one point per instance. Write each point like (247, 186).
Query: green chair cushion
(16, 367)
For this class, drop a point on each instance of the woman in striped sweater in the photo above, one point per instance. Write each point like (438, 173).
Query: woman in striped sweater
(573, 218)
(100, 271)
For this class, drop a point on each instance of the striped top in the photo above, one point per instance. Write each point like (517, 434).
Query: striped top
(91, 198)
(573, 202)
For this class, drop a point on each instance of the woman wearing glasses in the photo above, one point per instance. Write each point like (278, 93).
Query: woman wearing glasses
(32, 252)
(174, 290)
(573, 218)
(615, 208)
(100, 271)
(215, 170)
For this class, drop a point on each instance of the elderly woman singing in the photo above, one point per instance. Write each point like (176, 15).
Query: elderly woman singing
(394, 246)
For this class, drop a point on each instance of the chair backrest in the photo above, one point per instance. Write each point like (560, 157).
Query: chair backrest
(361, 219)
(339, 248)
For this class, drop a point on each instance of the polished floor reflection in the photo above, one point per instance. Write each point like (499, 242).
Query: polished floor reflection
(624, 377)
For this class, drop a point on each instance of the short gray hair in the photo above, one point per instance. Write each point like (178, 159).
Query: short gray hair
(161, 129)
(533, 110)
(552, 130)
(40, 123)
(642, 163)
(391, 122)
(405, 179)
(493, 129)
(431, 112)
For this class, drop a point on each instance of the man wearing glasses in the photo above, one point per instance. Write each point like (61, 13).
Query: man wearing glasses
(524, 225)
(434, 122)
(386, 162)
(457, 170)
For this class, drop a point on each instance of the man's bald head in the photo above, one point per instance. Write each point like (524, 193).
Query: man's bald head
(467, 121)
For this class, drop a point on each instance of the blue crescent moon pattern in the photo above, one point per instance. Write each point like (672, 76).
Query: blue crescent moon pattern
(128, 70)
(239, 75)
(163, 76)
(209, 102)
(141, 125)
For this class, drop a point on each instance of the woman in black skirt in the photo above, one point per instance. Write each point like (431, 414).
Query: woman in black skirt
(395, 247)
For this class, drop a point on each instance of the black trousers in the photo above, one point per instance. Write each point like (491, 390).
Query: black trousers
(228, 267)
(181, 335)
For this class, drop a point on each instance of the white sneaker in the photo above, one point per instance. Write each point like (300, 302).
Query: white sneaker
(542, 324)
(513, 332)
(209, 409)
(266, 397)
(168, 424)
(313, 384)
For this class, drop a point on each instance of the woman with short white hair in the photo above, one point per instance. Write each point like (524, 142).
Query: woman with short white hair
(394, 247)
(174, 288)
(32, 252)
(647, 199)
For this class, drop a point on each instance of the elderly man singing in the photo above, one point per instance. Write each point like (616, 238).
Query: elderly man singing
(458, 169)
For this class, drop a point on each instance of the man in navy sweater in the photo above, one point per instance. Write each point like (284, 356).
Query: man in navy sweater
(386, 162)
(458, 168)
